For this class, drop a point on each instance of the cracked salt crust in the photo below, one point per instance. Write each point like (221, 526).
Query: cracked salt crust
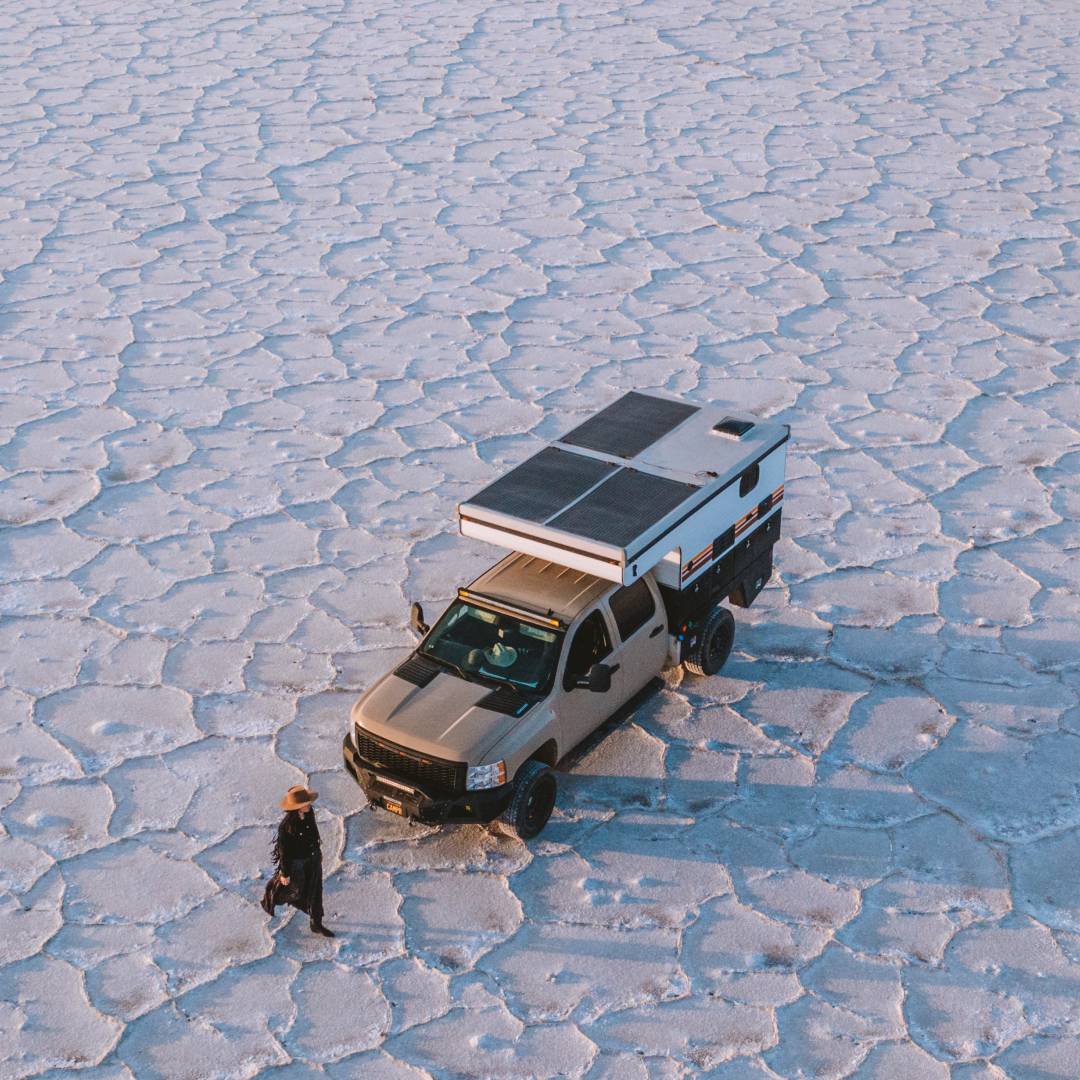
(277, 290)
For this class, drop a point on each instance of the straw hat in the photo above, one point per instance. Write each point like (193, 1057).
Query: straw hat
(298, 796)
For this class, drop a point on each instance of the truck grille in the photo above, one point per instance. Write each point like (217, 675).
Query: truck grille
(435, 776)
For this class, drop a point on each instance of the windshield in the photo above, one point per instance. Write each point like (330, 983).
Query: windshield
(495, 646)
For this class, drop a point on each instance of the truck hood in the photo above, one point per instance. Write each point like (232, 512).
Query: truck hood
(443, 719)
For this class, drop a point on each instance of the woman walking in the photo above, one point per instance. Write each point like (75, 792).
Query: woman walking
(298, 855)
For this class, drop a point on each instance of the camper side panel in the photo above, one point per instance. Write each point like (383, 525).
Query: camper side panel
(727, 547)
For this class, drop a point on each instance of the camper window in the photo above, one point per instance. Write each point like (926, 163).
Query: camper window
(632, 607)
(748, 481)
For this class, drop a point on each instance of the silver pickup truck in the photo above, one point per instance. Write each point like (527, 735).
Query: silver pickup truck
(623, 557)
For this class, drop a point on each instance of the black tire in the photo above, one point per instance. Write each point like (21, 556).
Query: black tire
(714, 643)
(531, 803)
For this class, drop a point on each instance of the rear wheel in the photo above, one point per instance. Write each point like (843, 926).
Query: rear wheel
(531, 803)
(714, 643)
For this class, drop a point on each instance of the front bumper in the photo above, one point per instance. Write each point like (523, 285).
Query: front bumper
(404, 798)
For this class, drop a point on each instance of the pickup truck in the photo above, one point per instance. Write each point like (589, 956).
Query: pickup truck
(628, 536)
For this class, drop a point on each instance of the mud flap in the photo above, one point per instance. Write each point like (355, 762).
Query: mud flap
(752, 581)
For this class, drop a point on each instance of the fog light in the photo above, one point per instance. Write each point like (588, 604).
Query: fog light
(485, 776)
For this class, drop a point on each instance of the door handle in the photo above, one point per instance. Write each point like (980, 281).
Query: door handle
(614, 668)
(656, 630)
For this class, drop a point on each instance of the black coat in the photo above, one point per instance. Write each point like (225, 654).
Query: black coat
(298, 854)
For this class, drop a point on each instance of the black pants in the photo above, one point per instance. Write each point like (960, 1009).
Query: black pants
(304, 890)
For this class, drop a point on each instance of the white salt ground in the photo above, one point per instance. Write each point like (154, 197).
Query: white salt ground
(280, 284)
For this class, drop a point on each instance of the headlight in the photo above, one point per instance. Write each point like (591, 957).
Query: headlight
(485, 776)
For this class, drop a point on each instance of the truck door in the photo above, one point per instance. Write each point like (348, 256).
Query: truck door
(642, 630)
(581, 711)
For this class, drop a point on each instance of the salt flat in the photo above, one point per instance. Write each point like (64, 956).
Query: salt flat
(280, 283)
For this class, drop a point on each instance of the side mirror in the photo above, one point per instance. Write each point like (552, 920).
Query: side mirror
(416, 620)
(598, 680)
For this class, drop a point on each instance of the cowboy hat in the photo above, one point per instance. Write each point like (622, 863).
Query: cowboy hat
(298, 796)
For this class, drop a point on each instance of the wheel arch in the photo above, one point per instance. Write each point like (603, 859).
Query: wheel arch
(547, 754)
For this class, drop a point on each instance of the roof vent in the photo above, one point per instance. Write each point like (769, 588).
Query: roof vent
(735, 428)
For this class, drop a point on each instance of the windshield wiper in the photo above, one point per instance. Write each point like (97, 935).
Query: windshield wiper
(460, 672)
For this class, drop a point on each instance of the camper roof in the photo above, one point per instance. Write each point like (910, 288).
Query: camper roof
(610, 490)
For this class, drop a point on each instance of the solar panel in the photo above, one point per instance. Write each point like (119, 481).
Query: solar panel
(629, 425)
(543, 485)
(623, 507)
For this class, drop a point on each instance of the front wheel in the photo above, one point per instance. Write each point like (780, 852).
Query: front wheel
(714, 643)
(531, 803)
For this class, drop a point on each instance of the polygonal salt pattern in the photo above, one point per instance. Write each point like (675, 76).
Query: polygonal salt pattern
(279, 289)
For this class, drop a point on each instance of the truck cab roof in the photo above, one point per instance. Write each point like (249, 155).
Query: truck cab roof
(539, 586)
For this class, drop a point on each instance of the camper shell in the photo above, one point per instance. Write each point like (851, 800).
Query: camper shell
(626, 538)
(690, 492)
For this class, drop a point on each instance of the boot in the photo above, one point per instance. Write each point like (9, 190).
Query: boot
(318, 928)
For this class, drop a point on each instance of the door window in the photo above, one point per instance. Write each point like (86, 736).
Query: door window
(590, 645)
(632, 607)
